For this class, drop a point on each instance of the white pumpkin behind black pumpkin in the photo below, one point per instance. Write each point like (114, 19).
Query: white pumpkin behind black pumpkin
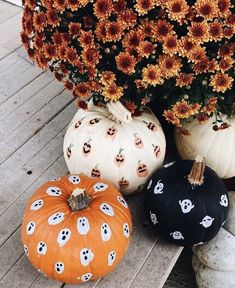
(187, 202)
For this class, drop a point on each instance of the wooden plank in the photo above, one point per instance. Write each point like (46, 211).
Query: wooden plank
(33, 125)
(15, 2)
(7, 11)
(16, 76)
(18, 99)
(35, 103)
(43, 282)
(10, 35)
(158, 266)
(12, 59)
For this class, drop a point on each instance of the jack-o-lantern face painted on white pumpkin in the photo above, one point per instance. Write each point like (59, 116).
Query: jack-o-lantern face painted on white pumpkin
(121, 146)
(189, 201)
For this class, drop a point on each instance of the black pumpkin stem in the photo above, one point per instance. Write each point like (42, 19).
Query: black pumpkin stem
(78, 200)
(196, 175)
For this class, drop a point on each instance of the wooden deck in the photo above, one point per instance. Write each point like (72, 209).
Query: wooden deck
(34, 113)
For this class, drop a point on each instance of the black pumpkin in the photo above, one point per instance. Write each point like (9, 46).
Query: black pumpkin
(186, 202)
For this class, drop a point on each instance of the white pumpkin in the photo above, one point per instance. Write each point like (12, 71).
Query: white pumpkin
(218, 147)
(214, 262)
(109, 143)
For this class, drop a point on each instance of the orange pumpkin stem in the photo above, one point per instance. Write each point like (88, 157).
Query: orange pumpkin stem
(78, 200)
(196, 175)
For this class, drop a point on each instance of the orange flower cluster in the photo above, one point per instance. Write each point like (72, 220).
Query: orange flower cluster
(138, 51)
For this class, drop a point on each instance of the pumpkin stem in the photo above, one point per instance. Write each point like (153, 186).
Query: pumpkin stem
(78, 200)
(196, 175)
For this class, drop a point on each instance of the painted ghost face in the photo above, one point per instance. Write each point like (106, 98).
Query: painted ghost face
(30, 227)
(122, 201)
(107, 209)
(36, 205)
(177, 235)
(111, 258)
(42, 248)
(53, 191)
(63, 237)
(26, 250)
(224, 200)
(83, 225)
(126, 230)
(186, 205)
(74, 179)
(86, 277)
(105, 232)
(207, 221)
(86, 256)
(158, 188)
(59, 267)
(99, 187)
(56, 218)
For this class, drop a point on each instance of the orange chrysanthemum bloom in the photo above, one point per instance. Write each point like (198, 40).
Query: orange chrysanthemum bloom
(53, 18)
(147, 27)
(177, 9)
(170, 45)
(144, 6)
(198, 54)
(225, 51)
(226, 64)
(94, 86)
(59, 5)
(215, 31)
(39, 21)
(152, 75)
(130, 105)
(126, 63)
(100, 30)
(198, 31)
(75, 29)
(186, 46)
(41, 60)
(91, 57)
(112, 92)
(107, 77)
(207, 9)
(201, 66)
(162, 29)
(170, 65)
(133, 39)
(114, 31)
(171, 117)
(50, 51)
(30, 3)
(73, 5)
(221, 82)
(224, 7)
(146, 48)
(103, 8)
(184, 79)
(71, 55)
(68, 85)
(47, 4)
(25, 39)
(81, 90)
(195, 108)
(128, 18)
(86, 39)
(182, 109)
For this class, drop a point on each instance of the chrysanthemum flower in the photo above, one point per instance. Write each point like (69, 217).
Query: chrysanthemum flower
(86, 39)
(39, 21)
(103, 8)
(215, 31)
(226, 64)
(57, 38)
(130, 106)
(94, 86)
(128, 18)
(75, 29)
(152, 75)
(170, 45)
(114, 31)
(91, 57)
(207, 9)
(112, 92)
(50, 51)
(147, 27)
(53, 18)
(177, 9)
(119, 6)
(221, 82)
(170, 65)
(133, 39)
(171, 117)
(225, 51)
(162, 29)
(59, 5)
(81, 90)
(201, 66)
(182, 109)
(100, 30)
(186, 46)
(199, 53)
(146, 48)
(144, 6)
(30, 3)
(41, 60)
(184, 79)
(198, 31)
(47, 4)
(126, 63)
(107, 77)
(71, 55)
(68, 85)
(224, 7)
(25, 39)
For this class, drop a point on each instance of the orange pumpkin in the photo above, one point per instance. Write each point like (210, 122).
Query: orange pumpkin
(76, 228)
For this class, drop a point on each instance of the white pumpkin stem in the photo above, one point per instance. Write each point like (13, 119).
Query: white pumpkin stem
(196, 175)
(78, 200)
(119, 112)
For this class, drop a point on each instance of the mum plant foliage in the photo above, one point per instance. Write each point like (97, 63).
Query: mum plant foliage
(138, 51)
